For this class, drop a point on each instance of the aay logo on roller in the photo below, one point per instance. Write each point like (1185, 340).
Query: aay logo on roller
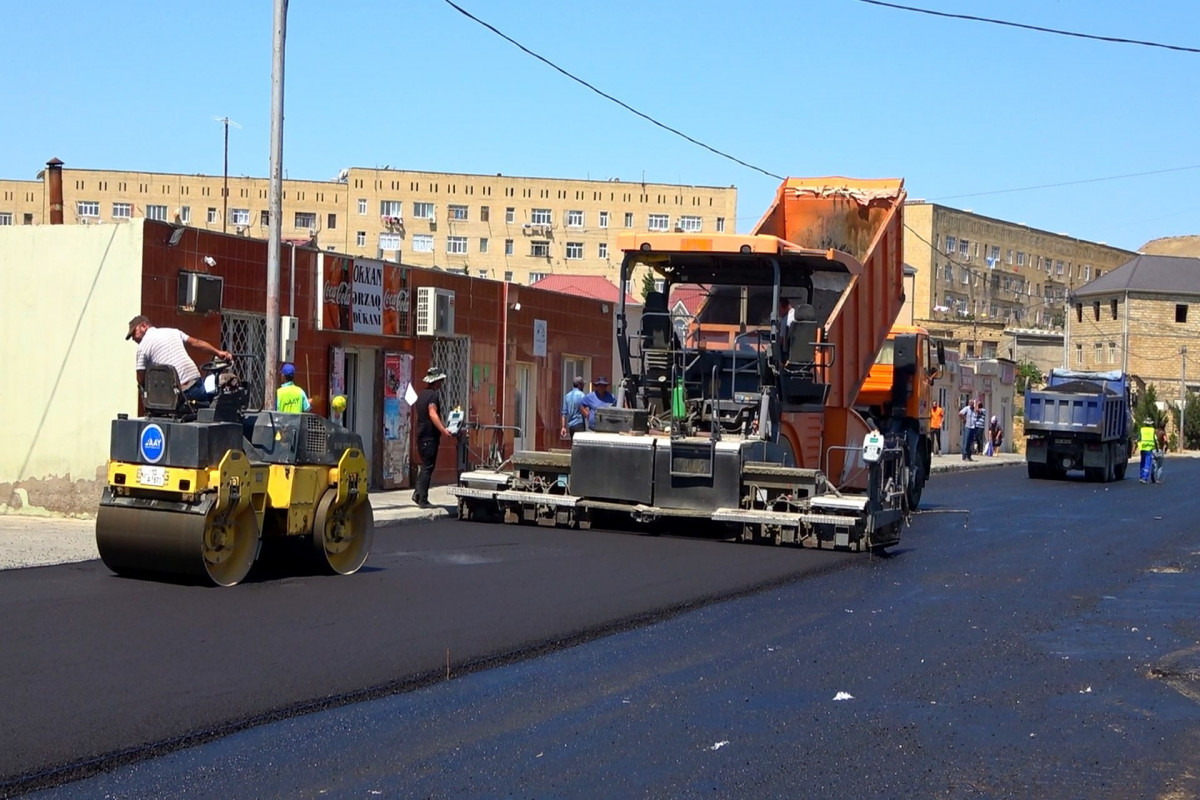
(153, 443)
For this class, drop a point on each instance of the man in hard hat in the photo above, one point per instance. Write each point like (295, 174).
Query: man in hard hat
(1147, 439)
(430, 430)
(157, 346)
(290, 398)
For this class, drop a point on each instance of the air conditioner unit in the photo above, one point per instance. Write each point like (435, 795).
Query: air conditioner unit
(435, 311)
(199, 292)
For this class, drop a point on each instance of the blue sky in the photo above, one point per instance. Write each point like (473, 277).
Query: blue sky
(796, 87)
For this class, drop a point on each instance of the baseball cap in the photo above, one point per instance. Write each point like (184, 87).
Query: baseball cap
(133, 323)
(288, 371)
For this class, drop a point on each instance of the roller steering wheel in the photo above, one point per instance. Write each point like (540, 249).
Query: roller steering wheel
(217, 365)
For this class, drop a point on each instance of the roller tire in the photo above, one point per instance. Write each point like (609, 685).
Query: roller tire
(336, 549)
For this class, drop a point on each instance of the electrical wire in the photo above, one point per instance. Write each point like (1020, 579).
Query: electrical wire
(1067, 183)
(1038, 28)
(607, 96)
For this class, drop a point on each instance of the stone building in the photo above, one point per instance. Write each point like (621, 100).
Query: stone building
(977, 275)
(487, 226)
(1138, 318)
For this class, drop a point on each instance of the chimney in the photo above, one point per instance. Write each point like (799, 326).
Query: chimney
(54, 178)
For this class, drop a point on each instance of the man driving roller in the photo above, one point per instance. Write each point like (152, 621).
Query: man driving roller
(167, 346)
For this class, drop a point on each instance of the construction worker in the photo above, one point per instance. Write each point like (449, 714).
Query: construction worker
(1147, 440)
(290, 398)
(936, 417)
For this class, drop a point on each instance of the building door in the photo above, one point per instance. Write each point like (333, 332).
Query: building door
(360, 401)
(525, 407)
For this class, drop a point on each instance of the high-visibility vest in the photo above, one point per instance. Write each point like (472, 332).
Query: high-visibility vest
(289, 398)
(1148, 438)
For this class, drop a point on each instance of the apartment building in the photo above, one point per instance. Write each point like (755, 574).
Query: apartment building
(488, 226)
(976, 275)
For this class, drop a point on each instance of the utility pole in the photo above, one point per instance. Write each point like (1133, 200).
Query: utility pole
(226, 121)
(275, 204)
(1182, 398)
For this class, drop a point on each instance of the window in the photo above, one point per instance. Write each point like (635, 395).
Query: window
(603, 251)
(628, 219)
(331, 222)
(185, 215)
(212, 215)
(573, 367)
(389, 241)
(964, 249)
(658, 222)
(483, 244)
(603, 219)
(1181, 312)
(457, 212)
(264, 218)
(1079, 312)
(690, 224)
(1113, 303)
(388, 208)
(720, 224)
(989, 349)
(966, 277)
(1020, 259)
(122, 210)
(540, 216)
(1099, 355)
(422, 243)
(306, 219)
(508, 276)
(485, 213)
(534, 277)
(6, 218)
(423, 211)
(949, 272)
(574, 219)
(951, 245)
(1058, 268)
(362, 205)
(360, 238)
(510, 215)
(156, 212)
(1112, 352)
(994, 253)
(508, 247)
(539, 249)
(239, 216)
(1079, 355)
(87, 208)
(574, 250)
(456, 244)
(1096, 309)
(1087, 272)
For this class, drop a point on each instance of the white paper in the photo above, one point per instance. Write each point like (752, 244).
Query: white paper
(410, 395)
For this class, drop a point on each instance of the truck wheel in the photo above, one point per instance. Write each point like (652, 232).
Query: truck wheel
(1119, 470)
(1036, 471)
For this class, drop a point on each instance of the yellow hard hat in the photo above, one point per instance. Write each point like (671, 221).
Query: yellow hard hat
(339, 403)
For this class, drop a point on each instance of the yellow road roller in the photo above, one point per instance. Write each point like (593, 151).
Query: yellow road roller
(194, 493)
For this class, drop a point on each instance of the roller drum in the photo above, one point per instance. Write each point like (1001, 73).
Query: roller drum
(157, 537)
(341, 540)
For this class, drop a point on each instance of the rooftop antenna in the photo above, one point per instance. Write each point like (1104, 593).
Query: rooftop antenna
(226, 121)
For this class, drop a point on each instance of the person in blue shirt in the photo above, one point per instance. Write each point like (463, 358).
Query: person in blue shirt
(574, 412)
(599, 397)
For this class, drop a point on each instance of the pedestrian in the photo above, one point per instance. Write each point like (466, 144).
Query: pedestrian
(599, 397)
(159, 346)
(290, 398)
(981, 421)
(967, 415)
(574, 412)
(1160, 454)
(430, 430)
(1147, 438)
(995, 436)
(936, 417)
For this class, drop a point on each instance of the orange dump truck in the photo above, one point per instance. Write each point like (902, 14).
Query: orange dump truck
(782, 405)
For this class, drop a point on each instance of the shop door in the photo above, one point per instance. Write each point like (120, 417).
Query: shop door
(525, 407)
(360, 401)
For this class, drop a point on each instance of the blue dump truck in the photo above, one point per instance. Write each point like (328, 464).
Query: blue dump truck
(1080, 420)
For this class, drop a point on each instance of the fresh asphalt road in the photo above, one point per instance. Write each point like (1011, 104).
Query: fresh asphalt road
(1027, 639)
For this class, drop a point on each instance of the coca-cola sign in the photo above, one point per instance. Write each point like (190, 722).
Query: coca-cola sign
(364, 296)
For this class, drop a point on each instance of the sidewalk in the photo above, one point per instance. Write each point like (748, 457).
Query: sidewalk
(30, 541)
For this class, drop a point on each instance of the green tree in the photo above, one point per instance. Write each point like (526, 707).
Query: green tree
(1147, 408)
(1191, 422)
(647, 283)
(1028, 376)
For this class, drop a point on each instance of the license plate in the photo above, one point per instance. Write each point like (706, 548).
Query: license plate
(152, 476)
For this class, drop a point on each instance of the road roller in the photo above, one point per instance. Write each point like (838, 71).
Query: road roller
(196, 491)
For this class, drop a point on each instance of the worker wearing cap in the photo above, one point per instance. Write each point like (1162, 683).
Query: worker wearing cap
(1147, 440)
(166, 346)
(290, 398)
(599, 397)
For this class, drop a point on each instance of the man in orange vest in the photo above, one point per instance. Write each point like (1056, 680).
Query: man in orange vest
(936, 416)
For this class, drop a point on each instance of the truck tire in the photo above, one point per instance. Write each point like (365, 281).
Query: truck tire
(1119, 471)
(1037, 472)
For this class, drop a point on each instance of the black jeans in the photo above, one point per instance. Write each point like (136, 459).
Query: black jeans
(427, 449)
(936, 433)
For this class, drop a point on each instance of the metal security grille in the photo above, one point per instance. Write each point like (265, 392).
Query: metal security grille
(454, 356)
(245, 335)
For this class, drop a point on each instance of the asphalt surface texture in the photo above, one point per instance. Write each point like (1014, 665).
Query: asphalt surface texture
(1026, 639)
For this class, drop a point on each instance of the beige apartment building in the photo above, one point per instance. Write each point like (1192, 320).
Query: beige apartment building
(977, 276)
(489, 226)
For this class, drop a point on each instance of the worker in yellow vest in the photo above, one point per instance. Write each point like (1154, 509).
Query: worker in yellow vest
(290, 398)
(1147, 440)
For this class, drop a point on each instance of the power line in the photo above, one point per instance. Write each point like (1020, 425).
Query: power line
(1066, 183)
(1038, 28)
(607, 96)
